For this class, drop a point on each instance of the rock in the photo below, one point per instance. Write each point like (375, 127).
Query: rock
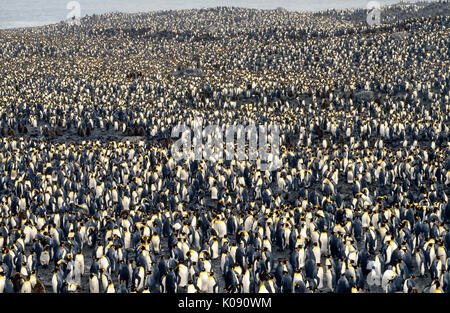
(190, 72)
(400, 35)
(365, 95)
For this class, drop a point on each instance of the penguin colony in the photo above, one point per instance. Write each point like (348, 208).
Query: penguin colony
(91, 199)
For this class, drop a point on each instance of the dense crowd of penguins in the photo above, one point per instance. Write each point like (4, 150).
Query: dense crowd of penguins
(92, 200)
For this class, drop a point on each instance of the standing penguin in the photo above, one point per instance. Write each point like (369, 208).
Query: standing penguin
(94, 285)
